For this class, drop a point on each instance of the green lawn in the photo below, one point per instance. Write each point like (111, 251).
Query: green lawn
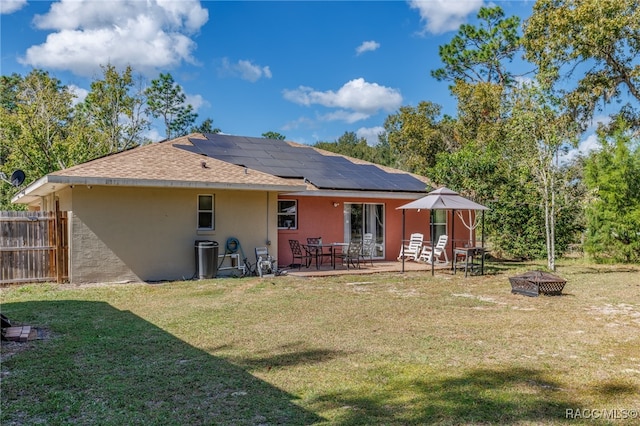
(373, 349)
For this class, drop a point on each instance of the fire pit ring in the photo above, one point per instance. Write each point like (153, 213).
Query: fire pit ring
(534, 283)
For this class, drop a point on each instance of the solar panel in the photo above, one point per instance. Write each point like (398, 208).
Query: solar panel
(278, 158)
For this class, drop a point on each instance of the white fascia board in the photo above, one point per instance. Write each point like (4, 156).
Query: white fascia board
(51, 183)
(25, 196)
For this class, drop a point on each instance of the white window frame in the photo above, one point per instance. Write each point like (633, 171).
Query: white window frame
(212, 211)
(295, 214)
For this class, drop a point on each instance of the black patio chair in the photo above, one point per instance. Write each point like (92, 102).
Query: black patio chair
(351, 255)
(301, 253)
(315, 248)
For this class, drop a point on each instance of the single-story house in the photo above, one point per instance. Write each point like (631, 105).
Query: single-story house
(136, 215)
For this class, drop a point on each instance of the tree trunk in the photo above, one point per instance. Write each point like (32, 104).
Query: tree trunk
(547, 225)
(551, 220)
(552, 228)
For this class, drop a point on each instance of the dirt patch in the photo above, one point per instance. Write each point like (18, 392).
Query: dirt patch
(9, 348)
(621, 309)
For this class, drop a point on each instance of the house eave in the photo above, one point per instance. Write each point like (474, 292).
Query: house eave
(385, 195)
(53, 183)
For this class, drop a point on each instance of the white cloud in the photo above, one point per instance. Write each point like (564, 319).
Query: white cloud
(293, 125)
(370, 134)
(598, 120)
(367, 46)
(10, 6)
(244, 69)
(589, 144)
(79, 93)
(523, 81)
(344, 115)
(585, 146)
(441, 16)
(356, 100)
(148, 35)
(589, 141)
(154, 136)
(196, 101)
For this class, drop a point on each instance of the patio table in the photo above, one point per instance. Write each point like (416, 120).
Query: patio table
(319, 252)
(470, 256)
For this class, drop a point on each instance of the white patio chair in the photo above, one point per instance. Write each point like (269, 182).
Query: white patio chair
(436, 253)
(412, 250)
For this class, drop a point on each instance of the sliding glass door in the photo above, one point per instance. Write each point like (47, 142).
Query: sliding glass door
(360, 219)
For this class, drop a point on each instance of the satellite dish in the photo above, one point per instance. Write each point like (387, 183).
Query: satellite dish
(17, 178)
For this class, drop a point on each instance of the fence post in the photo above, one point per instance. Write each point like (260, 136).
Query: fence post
(59, 240)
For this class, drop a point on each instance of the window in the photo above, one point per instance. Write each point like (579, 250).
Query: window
(287, 214)
(205, 212)
(439, 223)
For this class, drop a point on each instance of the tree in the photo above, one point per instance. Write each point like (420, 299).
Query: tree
(480, 113)
(473, 172)
(166, 100)
(479, 54)
(273, 135)
(485, 155)
(612, 177)
(35, 118)
(34, 131)
(350, 145)
(415, 136)
(9, 91)
(597, 41)
(114, 112)
(476, 62)
(8, 104)
(8, 128)
(205, 127)
(539, 127)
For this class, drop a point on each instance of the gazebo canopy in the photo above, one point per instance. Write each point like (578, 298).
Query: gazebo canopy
(443, 199)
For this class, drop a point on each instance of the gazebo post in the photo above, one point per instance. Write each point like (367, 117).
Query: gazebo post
(482, 228)
(402, 240)
(432, 241)
(453, 235)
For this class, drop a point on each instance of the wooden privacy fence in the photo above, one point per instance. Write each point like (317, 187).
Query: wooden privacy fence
(33, 247)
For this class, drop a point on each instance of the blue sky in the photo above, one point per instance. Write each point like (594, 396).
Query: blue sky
(308, 70)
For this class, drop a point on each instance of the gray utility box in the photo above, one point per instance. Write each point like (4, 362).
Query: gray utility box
(206, 253)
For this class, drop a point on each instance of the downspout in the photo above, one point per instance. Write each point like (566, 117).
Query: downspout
(268, 242)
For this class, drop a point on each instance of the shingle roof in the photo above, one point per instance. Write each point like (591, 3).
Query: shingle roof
(178, 163)
(163, 162)
(160, 164)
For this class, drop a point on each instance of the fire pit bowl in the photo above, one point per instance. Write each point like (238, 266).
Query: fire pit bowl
(534, 283)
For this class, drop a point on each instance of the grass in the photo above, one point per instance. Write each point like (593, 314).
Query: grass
(393, 349)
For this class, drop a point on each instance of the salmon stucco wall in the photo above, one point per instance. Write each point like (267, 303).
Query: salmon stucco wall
(318, 217)
(149, 234)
